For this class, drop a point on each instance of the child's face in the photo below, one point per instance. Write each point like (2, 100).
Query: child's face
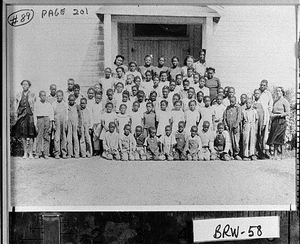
(109, 108)
(163, 106)
(148, 76)
(97, 88)
(52, 90)
(243, 99)
(207, 101)
(129, 79)
(199, 97)
(205, 127)
(134, 90)
(257, 94)
(155, 82)
(201, 83)
(210, 74)
(221, 91)
(98, 98)
(148, 61)
(125, 97)
(59, 97)
(175, 62)
(138, 131)
(163, 77)
(83, 104)
(43, 97)
(190, 73)
(126, 130)
(192, 106)
(220, 129)
(219, 100)
(111, 128)
(193, 131)
(110, 95)
(202, 56)
(76, 92)
(119, 88)
(179, 80)
(196, 79)
(186, 85)
(119, 61)
(232, 101)
(177, 106)
(165, 93)
(172, 86)
(71, 101)
(138, 81)
(168, 131)
(140, 98)
(226, 91)
(189, 62)
(135, 107)
(107, 73)
(175, 99)
(152, 133)
(190, 93)
(231, 92)
(132, 67)
(153, 97)
(70, 85)
(122, 109)
(248, 104)
(161, 62)
(119, 73)
(91, 94)
(181, 127)
(149, 107)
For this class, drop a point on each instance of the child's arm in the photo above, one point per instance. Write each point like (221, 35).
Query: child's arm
(133, 143)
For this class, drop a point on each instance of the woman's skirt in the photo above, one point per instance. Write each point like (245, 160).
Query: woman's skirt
(277, 131)
(24, 127)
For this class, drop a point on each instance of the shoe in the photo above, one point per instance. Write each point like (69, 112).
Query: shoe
(267, 156)
(237, 157)
(88, 156)
(36, 157)
(253, 158)
(31, 156)
(246, 159)
(83, 156)
(46, 157)
(64, 157)
(57, 157)
(69, 156)
(76, 156)
(25, 156)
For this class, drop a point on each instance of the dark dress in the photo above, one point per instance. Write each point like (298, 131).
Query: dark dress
(24, 126)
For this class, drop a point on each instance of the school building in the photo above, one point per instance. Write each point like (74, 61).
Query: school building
(245, 44)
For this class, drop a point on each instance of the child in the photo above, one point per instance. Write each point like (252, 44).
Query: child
(140, 140)
(206, 113)
(206, 136)
(152, 146)
(177, 115)
(147, 66)
(200, 102)
(232, 119)
(153, 99)
(163, 82)
(133, 92)
(230, 94)
(74, 124)
(111, 143)
(118, 95)
(120, 73)
(123, 118)
(52, 96)
(155, 86)
(90, 95)
(60, 117)
(218, 109)
(133, 70)
(184, 92)
(147, 84)
(165, 96)
(261, 123)
(137, 81)
(243, 100)
(175, 98)
(193, 145)
(129, 83)
(97, 88)
(107, 82)
(149, 118)
(190, 77)
(136, 116)
(77, 94)
(175, 69)
(220, 92)
(110, 98)
(162, 117)
(249, 118)
(213, 83)
(180, 137)
(96, 121)
(43, 120)
(201, 87)
(85, 130)
(127, 144)
(108, 116)
(126, 99)
(194, 82)
(179, 79)
(167, 143)
(70, 89)
(191, 116)
(186, 100)
(222, 144)
(172, 87)
(160, 66)
(140, 97)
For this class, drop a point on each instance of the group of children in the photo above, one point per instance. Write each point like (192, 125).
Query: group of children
(151, 114)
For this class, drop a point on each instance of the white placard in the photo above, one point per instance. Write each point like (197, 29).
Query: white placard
(226, 229)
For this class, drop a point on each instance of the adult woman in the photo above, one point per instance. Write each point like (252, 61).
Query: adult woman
(200, 65)
(118, 63)
(281, 109)
(188, 62)
(24, 126)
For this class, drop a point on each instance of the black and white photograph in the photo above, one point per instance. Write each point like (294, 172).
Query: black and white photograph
(119, 107)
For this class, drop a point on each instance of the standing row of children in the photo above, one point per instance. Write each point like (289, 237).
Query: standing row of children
(173, 115)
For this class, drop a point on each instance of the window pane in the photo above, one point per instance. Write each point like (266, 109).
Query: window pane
(160, 30)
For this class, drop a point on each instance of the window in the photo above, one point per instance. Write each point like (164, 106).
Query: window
(160, 30)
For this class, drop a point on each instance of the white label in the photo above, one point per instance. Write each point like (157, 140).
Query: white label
(226, 229)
